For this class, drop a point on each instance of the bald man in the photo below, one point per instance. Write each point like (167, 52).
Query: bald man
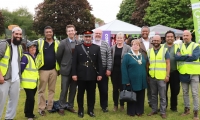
(189, 69)
(159, 71)
(10, 72)
(107, 64)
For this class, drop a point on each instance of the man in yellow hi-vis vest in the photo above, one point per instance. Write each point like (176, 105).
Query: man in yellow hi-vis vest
(159, 69)
(189, 68)
(10, 72)
(174, 80)
(48, 69)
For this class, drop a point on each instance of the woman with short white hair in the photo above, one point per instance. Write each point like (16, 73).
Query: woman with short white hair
(118, 51)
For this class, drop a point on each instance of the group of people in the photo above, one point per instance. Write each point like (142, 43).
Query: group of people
(145, 64)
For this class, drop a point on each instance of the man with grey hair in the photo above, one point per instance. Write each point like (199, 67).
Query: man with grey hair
(107, 64)
(10, 72)
(86, 70)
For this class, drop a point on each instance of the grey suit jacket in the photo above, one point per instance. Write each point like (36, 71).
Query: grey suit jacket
(64, 56)
(125, 49)
(143, 49)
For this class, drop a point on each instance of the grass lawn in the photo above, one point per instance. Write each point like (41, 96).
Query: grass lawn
(99, 114)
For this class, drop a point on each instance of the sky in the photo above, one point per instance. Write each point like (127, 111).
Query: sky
(103, 9)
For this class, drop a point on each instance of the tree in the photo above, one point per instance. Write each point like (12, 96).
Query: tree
(172, 13)
(20, 17)
(1, 24)
(127, 7)
(139, 12)
(59, 13)
(99, 20)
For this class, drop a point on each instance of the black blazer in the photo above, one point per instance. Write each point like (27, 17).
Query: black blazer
(79, 57)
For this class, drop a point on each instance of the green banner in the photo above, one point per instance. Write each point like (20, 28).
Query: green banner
(196, 18)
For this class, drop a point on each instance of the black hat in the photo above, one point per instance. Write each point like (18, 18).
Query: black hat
(87, 33)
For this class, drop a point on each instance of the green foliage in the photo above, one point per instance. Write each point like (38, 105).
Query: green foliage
(99, 20)
(127, 7)
(1, 24)
(20, 17)
(172, 13)
(60, 13)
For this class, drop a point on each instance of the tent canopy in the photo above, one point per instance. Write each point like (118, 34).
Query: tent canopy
(120, 26)
(161, 30)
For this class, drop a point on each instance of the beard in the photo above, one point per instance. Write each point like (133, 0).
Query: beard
(17, 42)
(156, 45)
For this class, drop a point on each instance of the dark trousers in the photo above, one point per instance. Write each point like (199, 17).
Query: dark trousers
(103, 91)
(116, 92)
(137, 107)
(89, 86)
(149, 93)
(30, 102)
(174, 83)
(67, 84)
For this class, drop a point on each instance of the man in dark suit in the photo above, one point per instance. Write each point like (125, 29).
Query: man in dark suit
(64, 58)
(86, 69)
(145, 44)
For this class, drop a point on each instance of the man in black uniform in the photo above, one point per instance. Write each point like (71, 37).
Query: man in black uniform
(86, 69)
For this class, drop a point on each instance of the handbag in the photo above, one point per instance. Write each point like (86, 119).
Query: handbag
(127, 96)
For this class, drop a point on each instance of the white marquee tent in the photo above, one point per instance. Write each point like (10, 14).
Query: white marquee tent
(161, 30)
(120, 26)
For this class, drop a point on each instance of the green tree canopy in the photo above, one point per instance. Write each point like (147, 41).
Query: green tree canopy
(172, 13)
(59, 13)
(1, 24)
(99, 20)
(127, 7)
(21, 17)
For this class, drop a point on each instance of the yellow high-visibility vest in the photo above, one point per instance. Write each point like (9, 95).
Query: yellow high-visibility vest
(30, 74)
(157, 62)
(4, 62)
(188, 67)
(40, 55)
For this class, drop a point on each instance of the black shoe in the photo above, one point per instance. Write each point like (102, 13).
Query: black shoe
(104, 110)
(91, 114)
(80, 114)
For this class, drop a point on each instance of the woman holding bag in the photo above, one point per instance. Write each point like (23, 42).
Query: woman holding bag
(134, 77)
(118, 51)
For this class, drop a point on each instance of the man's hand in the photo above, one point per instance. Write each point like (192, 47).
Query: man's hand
(166, 79)
(74, 78)
(178, 53)
(190, 55)
(108, 72)
(99, 78)
(128, 84)
(1, 79)
(58, 73)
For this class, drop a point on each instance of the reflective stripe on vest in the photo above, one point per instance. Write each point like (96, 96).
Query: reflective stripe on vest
(30, 74)
(4, 62)
(157, 66)
(40, 55)
(188, 67)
